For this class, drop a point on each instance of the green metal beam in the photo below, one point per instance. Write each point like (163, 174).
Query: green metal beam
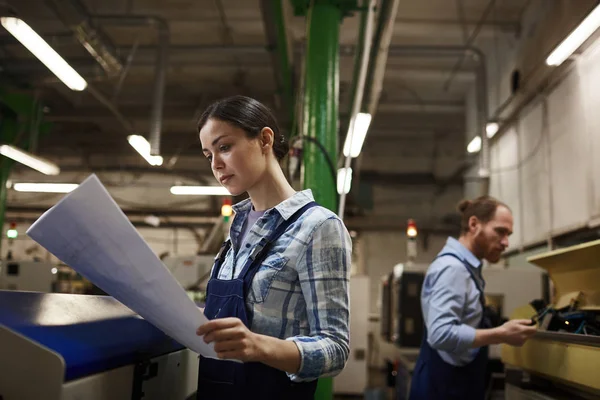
(321, 102)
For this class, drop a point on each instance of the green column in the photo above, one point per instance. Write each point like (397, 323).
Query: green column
(320, 119)
(321, 100)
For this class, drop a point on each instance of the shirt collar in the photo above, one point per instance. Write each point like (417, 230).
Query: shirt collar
(286, 208)
(456, 247)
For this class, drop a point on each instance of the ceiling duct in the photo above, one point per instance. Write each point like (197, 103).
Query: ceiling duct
(74, 15)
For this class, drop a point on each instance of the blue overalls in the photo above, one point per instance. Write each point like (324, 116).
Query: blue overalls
(435, 379)
(227, 380)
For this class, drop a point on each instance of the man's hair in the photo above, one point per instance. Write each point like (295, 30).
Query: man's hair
(483, 207)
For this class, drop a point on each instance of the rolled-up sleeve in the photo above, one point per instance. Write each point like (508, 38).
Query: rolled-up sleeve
(323, 271)
(445, 299)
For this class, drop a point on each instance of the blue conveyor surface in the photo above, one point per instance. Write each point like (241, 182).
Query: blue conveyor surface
(92, 333)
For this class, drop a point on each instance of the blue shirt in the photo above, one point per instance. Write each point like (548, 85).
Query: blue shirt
(451, 304)
(300, 292)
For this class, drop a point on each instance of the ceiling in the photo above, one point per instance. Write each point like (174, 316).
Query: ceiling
(414, 151)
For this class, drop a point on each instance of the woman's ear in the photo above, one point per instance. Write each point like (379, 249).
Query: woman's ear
(266, 138)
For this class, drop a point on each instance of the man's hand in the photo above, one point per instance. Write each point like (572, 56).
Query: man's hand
(232, 339)
(515, 332)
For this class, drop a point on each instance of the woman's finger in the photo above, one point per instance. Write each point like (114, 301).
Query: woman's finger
(228, 346)
(224, 334)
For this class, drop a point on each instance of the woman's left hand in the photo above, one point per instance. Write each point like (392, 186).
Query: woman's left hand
(232, 339)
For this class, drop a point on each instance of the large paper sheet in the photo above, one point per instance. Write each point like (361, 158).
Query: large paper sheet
(90, 233)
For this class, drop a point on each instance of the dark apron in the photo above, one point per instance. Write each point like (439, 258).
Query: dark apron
(220, 379)
(435, 379)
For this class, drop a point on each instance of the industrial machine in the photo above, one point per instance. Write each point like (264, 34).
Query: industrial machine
(36, 276)
(563, 359)
(58, 346)
(401, 319)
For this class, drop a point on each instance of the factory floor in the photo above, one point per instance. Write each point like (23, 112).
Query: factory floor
(377, 389)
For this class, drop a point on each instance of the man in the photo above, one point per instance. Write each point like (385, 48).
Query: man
(453, 358)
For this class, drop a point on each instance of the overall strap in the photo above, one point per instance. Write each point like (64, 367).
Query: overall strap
(470, 271)
(260, 251)
(220, 258)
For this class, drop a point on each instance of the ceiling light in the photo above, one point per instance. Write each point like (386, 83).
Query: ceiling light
(491, 129)
(575, 39)
(475, 145)
(141, 145)
(46, 54)
(356, 135)
(25, 158)
(344, 180)
(45, 187)
(200, 190)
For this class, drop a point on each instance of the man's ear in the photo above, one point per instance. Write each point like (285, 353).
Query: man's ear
(473, 223)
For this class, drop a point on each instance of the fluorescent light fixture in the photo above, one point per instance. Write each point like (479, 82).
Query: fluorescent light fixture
(491, 129)
(344, 180)
(45, 187)
(357, 135)
(200, 190)
(46, 54)
(25, 158)
(141, 145)
(475, 145)
(575, 39)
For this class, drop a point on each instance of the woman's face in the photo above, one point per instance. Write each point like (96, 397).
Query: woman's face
(237, 161)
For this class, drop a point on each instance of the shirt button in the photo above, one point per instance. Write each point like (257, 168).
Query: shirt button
(247, 245)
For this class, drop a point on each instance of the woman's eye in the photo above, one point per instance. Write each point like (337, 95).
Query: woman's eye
(209, 158)
(224, 147)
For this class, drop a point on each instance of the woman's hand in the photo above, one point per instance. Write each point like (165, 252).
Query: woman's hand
(232, 339)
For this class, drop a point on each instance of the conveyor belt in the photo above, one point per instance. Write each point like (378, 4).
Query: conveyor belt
(92, 333)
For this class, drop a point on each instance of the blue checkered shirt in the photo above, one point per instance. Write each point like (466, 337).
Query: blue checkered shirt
(300, 292)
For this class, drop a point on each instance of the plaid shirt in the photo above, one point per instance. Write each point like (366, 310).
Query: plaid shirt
(300, 292)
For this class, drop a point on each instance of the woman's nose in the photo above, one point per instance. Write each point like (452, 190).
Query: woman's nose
(217, 163)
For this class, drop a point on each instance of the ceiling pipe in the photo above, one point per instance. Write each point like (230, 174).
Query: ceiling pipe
(361, 69)
(162, 60)
(76, 17)
(127, 125)
(275, 32)
(481, 86)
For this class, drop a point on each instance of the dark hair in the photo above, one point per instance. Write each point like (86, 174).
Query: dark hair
(483, 207)
(247, 114)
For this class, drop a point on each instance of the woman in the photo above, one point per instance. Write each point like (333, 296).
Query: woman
(278, 294)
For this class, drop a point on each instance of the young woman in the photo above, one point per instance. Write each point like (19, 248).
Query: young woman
(278, 294)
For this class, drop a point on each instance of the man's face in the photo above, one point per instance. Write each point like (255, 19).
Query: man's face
(491, 239)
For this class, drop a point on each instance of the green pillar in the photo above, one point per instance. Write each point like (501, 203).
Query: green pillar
(321, 101)
(320, 120)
